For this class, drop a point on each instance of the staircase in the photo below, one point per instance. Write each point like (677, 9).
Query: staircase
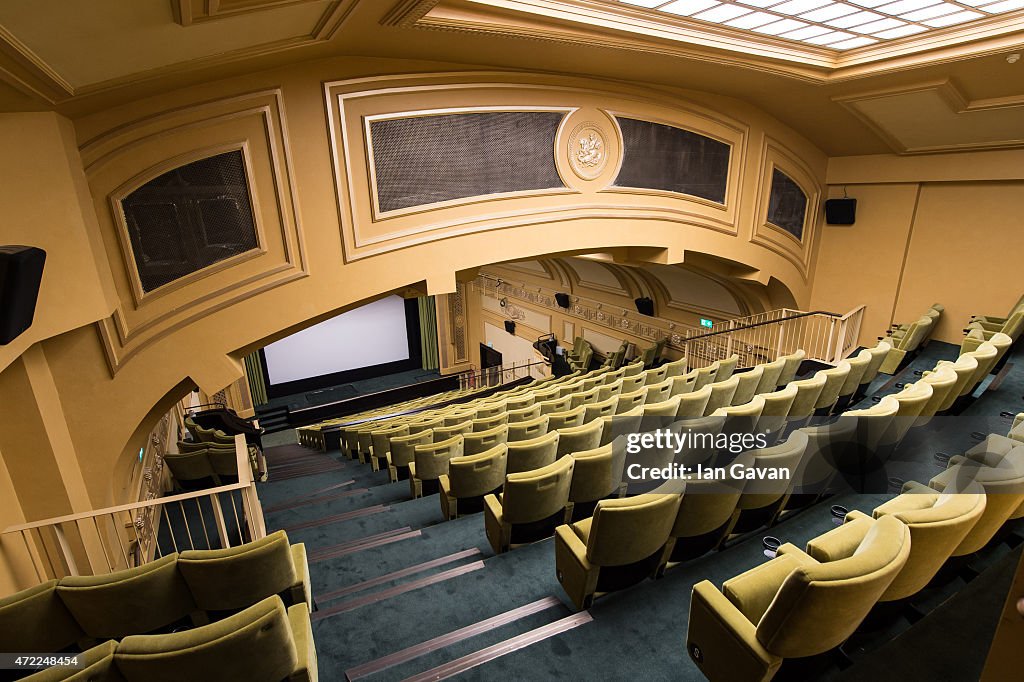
(273, 419)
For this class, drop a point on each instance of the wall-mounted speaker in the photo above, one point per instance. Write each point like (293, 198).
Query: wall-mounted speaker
(21, 271)
(840, 211)
(510, 326)
(645, 306)
(562, 300)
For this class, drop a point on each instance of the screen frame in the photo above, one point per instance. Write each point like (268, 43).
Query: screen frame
(415, 361)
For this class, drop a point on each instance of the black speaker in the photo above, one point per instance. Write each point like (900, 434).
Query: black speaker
(645, 306)
(840, 211)
(510, 326)
(562, 300)
(21, 271)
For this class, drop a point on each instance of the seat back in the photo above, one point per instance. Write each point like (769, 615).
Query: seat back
(656, 393)
(523, 414)
(721, 394)
(402, 448)
(633, 368)
(807, 393)
(491, 409)
(708, 506)
(584, 397)
(790, 367)
(915, 334)
(612, 376)
(705, 375)
(576, 438)
(655, 375)
(425, 425)
(770, 376)
(609, 390)
(684, 383)
(834, 380)
(858, 365)
(727, 367)
(527, 455)
(479, 474)
(759, 493)
(630, 529)
(1004, 490)
(529, 429)
(36, 620)
(233, 578)
(937, 527)
(255, 644)
(444, 433)
(481, 441)
(987, 355)
(189, 466)
(432, 460)
(665, 408)
(692, 405)
(628, 401)
(133, 601)
(878, 355)
(965, 366)
(381, 438)
(559, 420)
(740, 418)
(912, 400)
(631, 384)
(535, 495)
(675, 368)
(488, 423)
(942, 381)
(600, 409)
(598, 472)
(746, 389)
(518, 402)
(555, 405)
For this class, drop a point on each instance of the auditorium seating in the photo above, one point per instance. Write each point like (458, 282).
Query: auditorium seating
(625, 541)
(172, 591)
(721, 394)
(476, 442)
(792, 606)
(566, 419)
(790, 367)
(535, 453)
(528, 430)
(469, 478)
(402, 451)
(1011, 326)
(532, 504)
(938, 523)
(905, 345)
(746, 389)
(578, 438)
(430, 462)
(762, 500)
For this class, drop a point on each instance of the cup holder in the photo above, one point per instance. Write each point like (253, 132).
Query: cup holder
(771, 545)
(896, 484)
(942, 459)
(978, 435)
(839, 513)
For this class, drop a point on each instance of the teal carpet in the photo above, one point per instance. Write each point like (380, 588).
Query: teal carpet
(422, 578)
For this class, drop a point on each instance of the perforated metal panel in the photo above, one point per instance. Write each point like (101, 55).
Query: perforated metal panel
(429, 159)
(787, 204)
(190, 218)
(657, 156)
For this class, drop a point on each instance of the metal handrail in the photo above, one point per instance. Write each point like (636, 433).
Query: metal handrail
(766, 322)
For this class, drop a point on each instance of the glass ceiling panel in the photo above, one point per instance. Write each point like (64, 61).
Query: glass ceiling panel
(836, 24)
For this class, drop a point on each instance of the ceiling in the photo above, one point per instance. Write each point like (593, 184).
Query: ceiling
(79, 56)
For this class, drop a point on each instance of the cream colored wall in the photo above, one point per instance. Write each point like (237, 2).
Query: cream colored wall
(41, 189)
(948, 240)
(107, 383)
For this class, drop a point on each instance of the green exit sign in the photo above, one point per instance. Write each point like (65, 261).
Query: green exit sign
(705, 322)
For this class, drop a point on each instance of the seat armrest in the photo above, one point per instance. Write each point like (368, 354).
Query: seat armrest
(840, 542)
(302, 635)
(576, 574)
(752, 592)
(301, 590)
(917, 488)
(722, 641)
(921, 497)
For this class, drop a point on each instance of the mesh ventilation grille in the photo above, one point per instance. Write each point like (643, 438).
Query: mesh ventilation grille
(429, 159)
(190, 218)
(657, 156)
(787, 204)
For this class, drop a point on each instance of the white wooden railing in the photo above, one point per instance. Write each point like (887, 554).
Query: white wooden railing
(133, 534)
(825, 337)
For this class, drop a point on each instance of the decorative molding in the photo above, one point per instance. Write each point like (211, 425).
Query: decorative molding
(588, 154)
(189, 12)
(258, 118)
(406, 13)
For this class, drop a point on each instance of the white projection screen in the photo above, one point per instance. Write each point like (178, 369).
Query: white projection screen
(370, 335)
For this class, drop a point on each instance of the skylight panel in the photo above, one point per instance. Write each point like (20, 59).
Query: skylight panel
(852, 43)
(829, 12)
(905, 30)
(868, 3)
(643, 3)
(829, 37)
(975, 3)
(805, 33)
(875, 26)
(951, 19)
(783, 26)
(929, 12)
(722, 13)
(760, 3)
(1005, 6)
(800, 6)
(897, 8)
(752, 20)
(854, 19)
(685, 8)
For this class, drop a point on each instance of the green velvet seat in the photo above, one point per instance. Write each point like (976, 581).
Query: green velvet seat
(95, 664)
(35, 620)
(469, 478)
(531, 505)
(535, 453)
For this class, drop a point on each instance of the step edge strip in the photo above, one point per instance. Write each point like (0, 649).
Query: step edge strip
(401, 573)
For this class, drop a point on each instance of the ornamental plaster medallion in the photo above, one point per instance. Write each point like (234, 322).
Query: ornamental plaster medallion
(588, 154)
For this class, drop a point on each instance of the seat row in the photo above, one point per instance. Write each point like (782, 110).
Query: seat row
(192, 587)
(907, 338)
(263, 642)
(804, 603)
